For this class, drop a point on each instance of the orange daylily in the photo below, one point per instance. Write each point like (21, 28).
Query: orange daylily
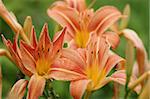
(37, 60)
(93, 64)
(82, 22)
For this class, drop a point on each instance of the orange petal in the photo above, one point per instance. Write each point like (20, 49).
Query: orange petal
(44, 39)
(135, 69)
(112, 61)
(141, 54)
(82, 53)
(33, 38)
(103, 50)
(65, 16)
(59, 3)
(58, 43)
(91, 46)
(15, 56)
(44, 47)
(64, 74)
(29, 48)
(74, 56)
(120, 77)
(104, 18)
(79, 5)
(113, 39)
(18, 90)
(77, 88)
(72, 44)
(68, 64)
(35, 87)
(67, 37)
(14, 45)
(27, 59)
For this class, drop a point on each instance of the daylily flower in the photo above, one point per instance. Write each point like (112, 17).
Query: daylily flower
(36, 60)
(82, 22)
(93, 64)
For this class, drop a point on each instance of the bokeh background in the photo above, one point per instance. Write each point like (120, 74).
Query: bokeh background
(139, 21)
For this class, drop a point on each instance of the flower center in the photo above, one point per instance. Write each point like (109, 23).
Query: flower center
(42, 66)
(81, 39)
(95, 75)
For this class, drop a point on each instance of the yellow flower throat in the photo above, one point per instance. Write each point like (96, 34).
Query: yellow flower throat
(42, 66)
(95, 75)
(81, 39)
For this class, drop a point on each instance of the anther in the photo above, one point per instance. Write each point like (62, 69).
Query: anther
(58, 51)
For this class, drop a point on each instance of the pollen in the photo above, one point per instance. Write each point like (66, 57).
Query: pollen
(81, 39)
(42, 66)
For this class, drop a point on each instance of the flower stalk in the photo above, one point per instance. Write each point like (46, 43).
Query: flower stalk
(129, 64)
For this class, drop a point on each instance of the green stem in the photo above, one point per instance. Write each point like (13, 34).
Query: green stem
(49, 92)
(126, 87)
(126, 95)
(87, 94)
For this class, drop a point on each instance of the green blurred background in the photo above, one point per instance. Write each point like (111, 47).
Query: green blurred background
(139, 21)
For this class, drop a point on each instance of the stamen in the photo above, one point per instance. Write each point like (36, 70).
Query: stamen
(42, 48)
(38, 54)
(58, 51)
(98, 52)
